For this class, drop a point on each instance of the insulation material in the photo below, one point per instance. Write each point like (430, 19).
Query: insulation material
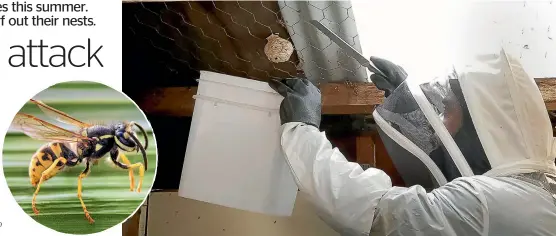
(322, 60)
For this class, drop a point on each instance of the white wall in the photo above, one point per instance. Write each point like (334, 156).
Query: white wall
(171, 215)
(427, 32)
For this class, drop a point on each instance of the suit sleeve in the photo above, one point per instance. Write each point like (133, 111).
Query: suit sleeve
(345, 196)
(356, 202)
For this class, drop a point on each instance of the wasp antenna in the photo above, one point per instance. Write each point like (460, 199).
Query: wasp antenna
(145, 161)
(144, 133)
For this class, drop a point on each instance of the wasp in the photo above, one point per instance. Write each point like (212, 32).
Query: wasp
(87, 144)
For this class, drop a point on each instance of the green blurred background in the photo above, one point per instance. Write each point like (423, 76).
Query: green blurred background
(106, 190)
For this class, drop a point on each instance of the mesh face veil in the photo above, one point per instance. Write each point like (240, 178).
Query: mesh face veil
(455, 124)
(409, 135)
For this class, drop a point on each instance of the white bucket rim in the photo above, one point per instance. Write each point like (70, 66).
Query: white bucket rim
(233, 103)
(257, 88)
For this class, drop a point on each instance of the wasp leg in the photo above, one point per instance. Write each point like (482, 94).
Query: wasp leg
(84, 174)
(141, 174)
(114, 156)
(47, 174)
(131, 177)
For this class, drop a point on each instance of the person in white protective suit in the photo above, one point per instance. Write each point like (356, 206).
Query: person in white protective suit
(478, 140)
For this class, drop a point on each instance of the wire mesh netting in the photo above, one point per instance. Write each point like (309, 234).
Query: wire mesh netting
(229, 37)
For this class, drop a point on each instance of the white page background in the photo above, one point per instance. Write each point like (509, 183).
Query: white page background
(17, 85)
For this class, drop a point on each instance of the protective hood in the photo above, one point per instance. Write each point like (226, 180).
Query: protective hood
(482, 116)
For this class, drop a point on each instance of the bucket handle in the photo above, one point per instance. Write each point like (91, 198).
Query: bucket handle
(238, 104)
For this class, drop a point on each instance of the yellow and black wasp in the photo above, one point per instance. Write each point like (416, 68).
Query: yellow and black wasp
(66, 148)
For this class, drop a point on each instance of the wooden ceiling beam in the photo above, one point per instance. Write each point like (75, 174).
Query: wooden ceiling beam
(169, 101)
(337, 99)
(548, 91)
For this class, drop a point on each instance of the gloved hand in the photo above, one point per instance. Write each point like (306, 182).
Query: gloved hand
(302, 101)
(395, 75)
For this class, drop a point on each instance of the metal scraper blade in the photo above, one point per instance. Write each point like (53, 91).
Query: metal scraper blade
(346, 47)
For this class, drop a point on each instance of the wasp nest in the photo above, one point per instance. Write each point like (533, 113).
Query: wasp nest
(278, 49)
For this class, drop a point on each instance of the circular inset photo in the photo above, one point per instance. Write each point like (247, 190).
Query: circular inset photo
(80, 157)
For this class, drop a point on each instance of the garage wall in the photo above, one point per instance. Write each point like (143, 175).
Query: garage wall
(170, 215)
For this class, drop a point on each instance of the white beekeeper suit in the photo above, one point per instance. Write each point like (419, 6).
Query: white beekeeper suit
(505, 159)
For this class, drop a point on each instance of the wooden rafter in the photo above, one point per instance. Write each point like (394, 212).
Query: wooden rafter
(130, 227)
(337, 98)
(548, 90)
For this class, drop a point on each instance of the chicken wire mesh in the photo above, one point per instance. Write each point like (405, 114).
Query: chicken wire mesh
(229, 37)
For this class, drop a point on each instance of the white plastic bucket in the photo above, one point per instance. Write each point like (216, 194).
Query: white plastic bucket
(233, 156)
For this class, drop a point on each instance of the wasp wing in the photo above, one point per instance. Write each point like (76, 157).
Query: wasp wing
(42, 130)
(59, 115)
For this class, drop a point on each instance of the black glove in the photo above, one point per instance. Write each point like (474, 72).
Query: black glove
(302, 101)
(395, 75)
